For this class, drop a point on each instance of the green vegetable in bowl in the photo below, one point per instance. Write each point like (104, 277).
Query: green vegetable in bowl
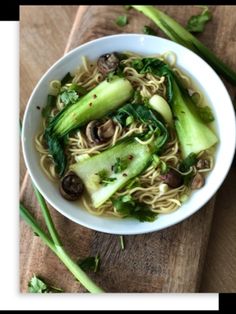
(193, 134)
(85, 109)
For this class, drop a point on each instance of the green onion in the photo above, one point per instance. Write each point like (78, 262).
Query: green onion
(122, 244)
(179, 34)
(54, 243)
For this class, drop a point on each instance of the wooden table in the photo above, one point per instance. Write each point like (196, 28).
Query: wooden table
(196, 255)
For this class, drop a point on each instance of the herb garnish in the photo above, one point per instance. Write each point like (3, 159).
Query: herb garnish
(122, 20)
(104, 177)
(120, 165)
(129, 207)
(196, 23)
(37, 285)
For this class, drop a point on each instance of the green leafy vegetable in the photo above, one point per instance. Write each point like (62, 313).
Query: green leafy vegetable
(179, 34)
(104, 177)
(194, 135)
(120, 165)
(148, 30)
(91, 263)
(83, 110)
(37, 285)
(137, 99)
(51, 103)
(87, 169)
(188, 162)
(80, 90)
(66, 79)
(129, 207)
(122, 20)
(206, 114)
(69, 97)
(156, 67)
(196, 23)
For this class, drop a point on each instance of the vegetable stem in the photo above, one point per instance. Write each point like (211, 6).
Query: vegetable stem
(48, 218)
(122, 244)
(29, 219)
(58, 249)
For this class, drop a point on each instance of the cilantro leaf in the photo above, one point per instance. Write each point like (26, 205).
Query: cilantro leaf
(122, 20)
(129, 207)
(104, 177)
(90, 263)
(196, 23)
(120, 165)
(37, 285)
(69, 97)
(148, 30)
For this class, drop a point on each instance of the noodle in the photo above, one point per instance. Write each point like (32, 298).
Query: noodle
(151, 189)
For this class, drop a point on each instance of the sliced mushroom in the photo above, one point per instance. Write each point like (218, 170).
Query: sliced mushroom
(108, 63)
(99, 133)
(91, 131)
(106, 130)
(71, 186)
(197, 182)
(203, 164)
(172, 178)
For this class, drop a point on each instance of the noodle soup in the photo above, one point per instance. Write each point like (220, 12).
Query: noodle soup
(127, 135)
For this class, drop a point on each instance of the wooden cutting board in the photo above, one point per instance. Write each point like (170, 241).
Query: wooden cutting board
(167, 261)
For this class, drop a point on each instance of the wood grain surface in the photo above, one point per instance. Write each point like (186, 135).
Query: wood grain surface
(168, 261)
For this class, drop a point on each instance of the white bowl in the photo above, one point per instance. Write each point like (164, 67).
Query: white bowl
(201, 73)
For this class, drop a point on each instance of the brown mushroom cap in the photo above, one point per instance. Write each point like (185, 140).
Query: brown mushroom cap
(71, 187)
(108, 63)
(99, 133)
(203, 164)
(106, 130)
(197, 181)
(172, 178)
(91, 131)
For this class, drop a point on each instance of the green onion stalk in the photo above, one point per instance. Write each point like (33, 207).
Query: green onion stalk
(55, 244)
(180, 35)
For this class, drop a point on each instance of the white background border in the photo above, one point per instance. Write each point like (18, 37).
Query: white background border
(10, 297)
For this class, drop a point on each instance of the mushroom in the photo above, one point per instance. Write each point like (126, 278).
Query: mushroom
(106, 130)
(99, 133)
(172, 178)
(203, 164)
(108, 63)
(197, 181)
(71, 187)
(91, 131)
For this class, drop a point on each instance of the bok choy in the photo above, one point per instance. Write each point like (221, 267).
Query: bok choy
(193, 133)
(103, 99)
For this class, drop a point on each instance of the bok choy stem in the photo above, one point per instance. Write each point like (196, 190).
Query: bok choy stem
(179, 34)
